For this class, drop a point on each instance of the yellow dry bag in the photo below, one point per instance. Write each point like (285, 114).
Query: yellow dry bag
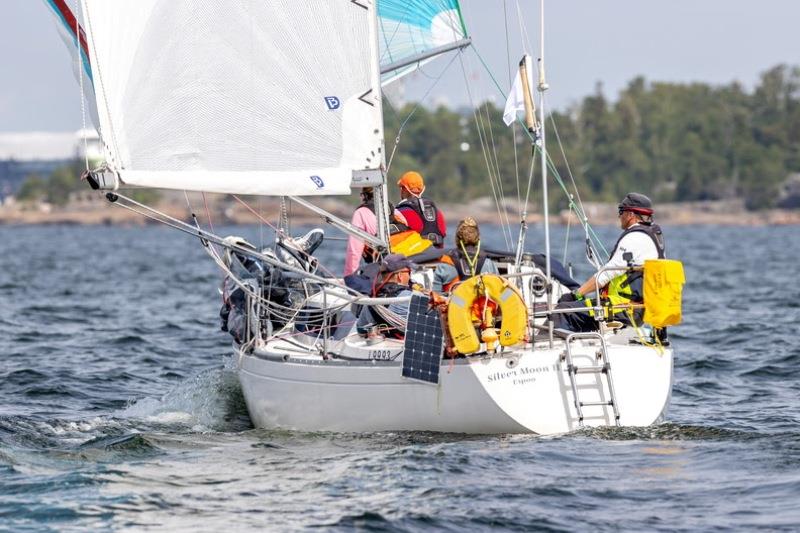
(663, 285)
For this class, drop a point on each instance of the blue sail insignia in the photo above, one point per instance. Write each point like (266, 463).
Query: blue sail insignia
(332, 102)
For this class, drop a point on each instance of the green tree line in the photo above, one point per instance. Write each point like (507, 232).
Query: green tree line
(676, 142)
(65, 180)
(55, 188)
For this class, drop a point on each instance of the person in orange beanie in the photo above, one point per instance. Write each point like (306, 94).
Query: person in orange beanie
(420, 214)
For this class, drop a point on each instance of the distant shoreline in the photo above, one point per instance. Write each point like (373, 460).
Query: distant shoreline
(484, 210)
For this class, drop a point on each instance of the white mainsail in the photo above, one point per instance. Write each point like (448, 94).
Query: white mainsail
(237, 97)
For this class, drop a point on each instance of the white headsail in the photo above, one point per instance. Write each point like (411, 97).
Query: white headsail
(270, 98)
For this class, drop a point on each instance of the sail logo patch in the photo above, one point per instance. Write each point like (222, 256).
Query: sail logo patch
(332, 102)
(317, 181)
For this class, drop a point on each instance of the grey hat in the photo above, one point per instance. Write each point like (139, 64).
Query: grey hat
(636, 203)
(395, 262)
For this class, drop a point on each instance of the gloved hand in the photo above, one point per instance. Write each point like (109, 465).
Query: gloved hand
(572, 296)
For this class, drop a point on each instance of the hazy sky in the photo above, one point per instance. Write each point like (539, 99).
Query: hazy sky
(587, 41)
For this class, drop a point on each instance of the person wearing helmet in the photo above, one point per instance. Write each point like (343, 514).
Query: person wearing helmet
(641, 239)
(418, 213)
(364, 219)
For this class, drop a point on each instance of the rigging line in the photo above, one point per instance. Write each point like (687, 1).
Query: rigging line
(229, 273)
(96, 67)
(581, 215)
(479, 127)
(387, 41)
(513, 124)
(207, 245)
(285, 336)
(516, 168)
(283, 219)
(279, 232)
(497, 170)
(501, 91)
(483, 137)
(493, 152)
(292, 314)
(391, 106)
(208, 213)
(583, 218)
(580, 211)
(284, 311)
(260, 225)
(262, 219)
(489, 72)
(523, 32)
(167, 221)
(530, 135)
(530, 178)
(216, 239)
(414, 110)
(191, 211)
(79, 58)
(532, 139)
(566, 241)
(188, 204)
(564, 156)
(298, 315)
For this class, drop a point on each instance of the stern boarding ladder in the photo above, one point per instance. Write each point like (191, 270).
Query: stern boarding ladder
(600, 369)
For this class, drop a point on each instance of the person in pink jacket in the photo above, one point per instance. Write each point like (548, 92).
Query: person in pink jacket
(364, 219)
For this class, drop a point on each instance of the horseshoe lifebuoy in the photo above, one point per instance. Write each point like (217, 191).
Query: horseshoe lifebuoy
(459, 312)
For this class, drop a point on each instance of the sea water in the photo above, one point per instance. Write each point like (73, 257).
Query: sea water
(119, 409)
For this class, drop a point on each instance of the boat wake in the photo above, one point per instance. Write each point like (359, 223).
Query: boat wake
(668, 431)
(209, 401)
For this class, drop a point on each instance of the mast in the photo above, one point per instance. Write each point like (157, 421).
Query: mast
(533, 128)
(381, 192)
(545, 199)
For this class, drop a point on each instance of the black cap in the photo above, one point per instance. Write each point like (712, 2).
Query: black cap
(637, 203)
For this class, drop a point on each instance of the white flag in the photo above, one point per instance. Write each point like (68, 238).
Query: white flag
(516, 100)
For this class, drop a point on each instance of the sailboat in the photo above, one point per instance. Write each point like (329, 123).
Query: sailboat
(284, 99)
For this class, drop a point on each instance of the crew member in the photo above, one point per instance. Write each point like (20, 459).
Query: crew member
(641, 239)
(420, 214)
(364, 219)
(468, 258)
(465, 260)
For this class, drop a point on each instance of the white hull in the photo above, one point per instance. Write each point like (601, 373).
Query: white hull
(514, 392)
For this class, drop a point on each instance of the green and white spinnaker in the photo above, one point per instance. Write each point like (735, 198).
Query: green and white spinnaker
(412, 32)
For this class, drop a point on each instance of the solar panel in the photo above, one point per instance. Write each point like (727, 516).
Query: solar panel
(424, 341)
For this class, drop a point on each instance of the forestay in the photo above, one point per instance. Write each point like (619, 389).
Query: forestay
(410, 28)
(270, 98)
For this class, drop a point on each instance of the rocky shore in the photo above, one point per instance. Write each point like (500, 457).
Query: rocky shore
(223, 210)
